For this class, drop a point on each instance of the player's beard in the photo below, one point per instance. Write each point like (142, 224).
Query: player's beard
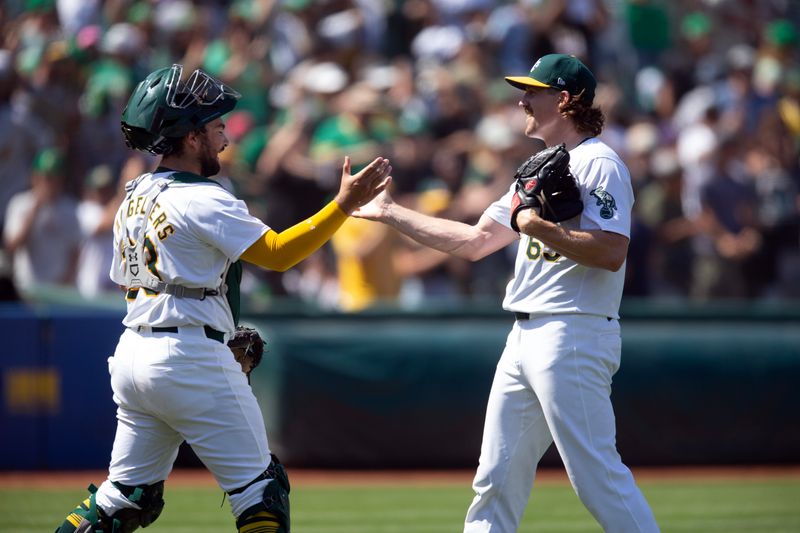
(209, 161)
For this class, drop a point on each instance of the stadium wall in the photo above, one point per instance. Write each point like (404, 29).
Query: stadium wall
(388, 389)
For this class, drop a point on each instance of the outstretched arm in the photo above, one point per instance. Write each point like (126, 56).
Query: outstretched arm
(455, 238)
(281, 251)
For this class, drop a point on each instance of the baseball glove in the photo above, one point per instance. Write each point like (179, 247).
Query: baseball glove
(247, 347)
(545, 182)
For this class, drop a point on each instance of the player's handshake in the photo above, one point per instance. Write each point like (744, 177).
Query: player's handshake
(358, 189)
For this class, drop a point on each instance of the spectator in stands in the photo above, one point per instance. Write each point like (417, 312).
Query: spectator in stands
(730, 234)
(96, 212)
(20, 136)
(696, 74)
(773, 270)
(41, 230)
(659, 206)
(364, 262)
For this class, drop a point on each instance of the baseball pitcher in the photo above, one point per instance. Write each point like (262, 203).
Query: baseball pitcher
(569, 208)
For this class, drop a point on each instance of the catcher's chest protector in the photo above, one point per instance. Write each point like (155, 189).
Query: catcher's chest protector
(132, 247)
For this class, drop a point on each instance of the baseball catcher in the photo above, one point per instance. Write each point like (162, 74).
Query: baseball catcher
(179, 240)
(544, 182)
(248, 348)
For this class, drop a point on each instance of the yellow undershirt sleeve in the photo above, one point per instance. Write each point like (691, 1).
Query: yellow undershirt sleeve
(281, 251)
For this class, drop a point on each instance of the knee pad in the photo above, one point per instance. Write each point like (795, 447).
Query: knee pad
(150, 498)
(272, 513)
(89, 518)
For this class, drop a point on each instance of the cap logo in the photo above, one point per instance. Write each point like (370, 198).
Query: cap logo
(561, 81)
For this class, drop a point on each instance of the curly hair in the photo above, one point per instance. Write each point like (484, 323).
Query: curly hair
(586, 118)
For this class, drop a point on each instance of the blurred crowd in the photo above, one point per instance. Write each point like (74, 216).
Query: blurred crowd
(702, 100)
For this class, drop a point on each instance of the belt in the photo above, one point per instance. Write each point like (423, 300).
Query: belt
(518, 315)
(211, 333)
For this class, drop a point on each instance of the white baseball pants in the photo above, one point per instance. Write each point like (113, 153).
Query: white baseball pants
(553, 383)
(171, 387)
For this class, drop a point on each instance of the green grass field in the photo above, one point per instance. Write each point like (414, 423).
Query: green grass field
(730, 506)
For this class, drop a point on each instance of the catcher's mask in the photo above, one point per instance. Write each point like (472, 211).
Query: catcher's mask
(163, 107)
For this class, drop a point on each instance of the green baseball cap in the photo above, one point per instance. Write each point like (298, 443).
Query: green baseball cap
(558, 71)
(49, 162)
(695, 25)
(781, 33)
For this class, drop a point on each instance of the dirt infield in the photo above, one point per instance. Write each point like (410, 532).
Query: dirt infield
(309, 477)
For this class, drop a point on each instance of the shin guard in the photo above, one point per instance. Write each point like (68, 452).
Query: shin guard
(88, 518)
(260, 522)
(271, 515)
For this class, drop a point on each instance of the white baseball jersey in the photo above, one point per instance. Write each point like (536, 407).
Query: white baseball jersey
(544, 281)
(194, 232)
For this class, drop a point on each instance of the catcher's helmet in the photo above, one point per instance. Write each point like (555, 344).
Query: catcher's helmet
(162, 107)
